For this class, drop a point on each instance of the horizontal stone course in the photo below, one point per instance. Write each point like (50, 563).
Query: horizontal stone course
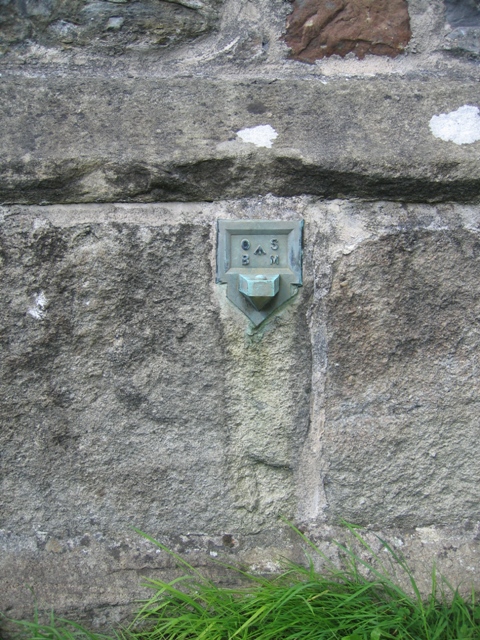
(99, 140)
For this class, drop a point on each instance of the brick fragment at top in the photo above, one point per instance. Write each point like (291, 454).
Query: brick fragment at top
(321, 28)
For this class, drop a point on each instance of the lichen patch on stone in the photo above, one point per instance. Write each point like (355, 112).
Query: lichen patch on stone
(461, 126)
(39, 307)
(261, 136)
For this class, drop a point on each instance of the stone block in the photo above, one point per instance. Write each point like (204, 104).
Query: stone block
(106, 26)
(317, 29)
(463, 18)
(401, 434)
(71, 139)
(462, 13)
(132, 397)
(464, 41)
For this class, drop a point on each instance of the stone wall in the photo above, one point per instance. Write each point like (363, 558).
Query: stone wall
(134, 394)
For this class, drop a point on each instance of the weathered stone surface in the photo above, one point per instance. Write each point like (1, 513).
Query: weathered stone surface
(463, 16)
(108, 26)
(112, 372)
(318, 29)
(464, 41)
(402, 390)
(462, 13)
(89, 140)
(132, 393)
(131, 396)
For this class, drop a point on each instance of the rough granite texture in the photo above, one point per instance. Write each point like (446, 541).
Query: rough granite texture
(111, 27)
(133, 394)
(463, 17)
(130, 398)
(318, 29)
(147, 140)
(118, 375)
(402, 390)
(464, 41)
(462, 13)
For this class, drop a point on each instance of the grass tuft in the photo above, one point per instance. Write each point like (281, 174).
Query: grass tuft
(298, 604)
(55, 629)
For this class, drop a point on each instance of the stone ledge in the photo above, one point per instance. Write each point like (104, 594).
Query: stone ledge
(111, 570)
(67, 140)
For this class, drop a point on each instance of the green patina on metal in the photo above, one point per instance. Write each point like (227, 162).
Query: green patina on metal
(260, 261)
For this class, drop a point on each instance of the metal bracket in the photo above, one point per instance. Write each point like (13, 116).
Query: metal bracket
(260, 261)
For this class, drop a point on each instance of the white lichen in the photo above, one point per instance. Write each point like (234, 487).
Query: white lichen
(261, 136)
(461, 126)
(39, 308)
